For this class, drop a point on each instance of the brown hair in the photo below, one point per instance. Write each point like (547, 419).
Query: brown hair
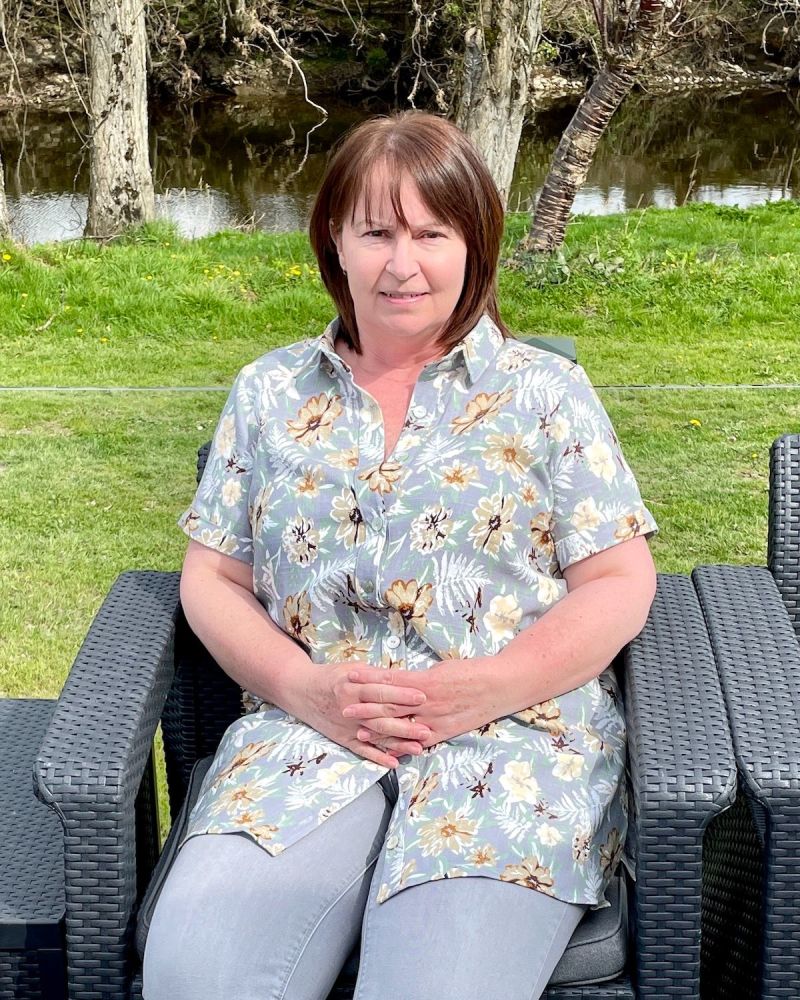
(453, 182)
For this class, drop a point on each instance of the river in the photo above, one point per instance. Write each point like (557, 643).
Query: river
(221, 164)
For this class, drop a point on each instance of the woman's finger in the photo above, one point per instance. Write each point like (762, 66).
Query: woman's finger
(405, 729)
(388, 694)
(372, 710)
(391, 744)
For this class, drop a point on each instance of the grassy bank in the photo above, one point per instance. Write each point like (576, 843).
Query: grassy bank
(91, 483)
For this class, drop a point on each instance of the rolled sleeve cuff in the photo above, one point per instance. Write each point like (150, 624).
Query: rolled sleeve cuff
(588, 542)
(215, 536)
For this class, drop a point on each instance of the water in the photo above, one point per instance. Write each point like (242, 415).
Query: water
(222, 164)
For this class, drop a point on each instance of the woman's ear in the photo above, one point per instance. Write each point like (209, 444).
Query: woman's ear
(336, 235)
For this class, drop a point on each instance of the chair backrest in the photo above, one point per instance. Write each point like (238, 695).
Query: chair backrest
(783, 538)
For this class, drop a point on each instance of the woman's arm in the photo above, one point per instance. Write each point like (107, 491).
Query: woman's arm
(224, 613)
(609, 597)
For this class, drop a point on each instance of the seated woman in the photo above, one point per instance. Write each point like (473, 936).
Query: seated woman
(417, 547)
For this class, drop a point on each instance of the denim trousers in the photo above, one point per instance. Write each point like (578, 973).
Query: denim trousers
(233, 922)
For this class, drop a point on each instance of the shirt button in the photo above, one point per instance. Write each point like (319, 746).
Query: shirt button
(418, 410)
(393, 641)
(392, 842)
(368, 587)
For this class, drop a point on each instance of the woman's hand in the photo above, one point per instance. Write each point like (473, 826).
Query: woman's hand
(459, 698)
(328, 693)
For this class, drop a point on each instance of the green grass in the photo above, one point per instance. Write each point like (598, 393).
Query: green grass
(91, 483)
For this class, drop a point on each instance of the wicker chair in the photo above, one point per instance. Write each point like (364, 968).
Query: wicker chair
(141, 664)
(753, 616)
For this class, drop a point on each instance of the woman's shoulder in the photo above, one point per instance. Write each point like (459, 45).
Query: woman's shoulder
(532, 363)
(281, 361)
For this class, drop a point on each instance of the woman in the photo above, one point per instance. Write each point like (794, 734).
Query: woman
(417, 547)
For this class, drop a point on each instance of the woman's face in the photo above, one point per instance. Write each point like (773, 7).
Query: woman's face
(405, 283)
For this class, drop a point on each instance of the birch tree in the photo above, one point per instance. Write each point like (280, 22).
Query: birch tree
(120, 183)
(628, 39)
(494, 90)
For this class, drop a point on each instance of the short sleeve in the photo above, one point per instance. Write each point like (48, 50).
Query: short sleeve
(596, 499)
(219, 515)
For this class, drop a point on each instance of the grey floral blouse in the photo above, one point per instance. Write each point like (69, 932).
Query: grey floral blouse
(507, 470)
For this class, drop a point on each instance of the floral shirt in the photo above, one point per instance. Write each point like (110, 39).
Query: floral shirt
(507, 471)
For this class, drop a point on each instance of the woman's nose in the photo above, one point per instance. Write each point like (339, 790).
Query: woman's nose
(402, 263)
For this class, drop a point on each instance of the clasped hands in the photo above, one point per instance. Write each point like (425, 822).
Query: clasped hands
(406, 711)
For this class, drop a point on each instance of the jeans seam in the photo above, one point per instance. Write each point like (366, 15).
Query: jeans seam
(564, 914)
(306, 939)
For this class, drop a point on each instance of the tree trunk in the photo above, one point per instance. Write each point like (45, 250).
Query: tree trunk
(573, 157)
(5, 223)
(121, 184)
(498, 64)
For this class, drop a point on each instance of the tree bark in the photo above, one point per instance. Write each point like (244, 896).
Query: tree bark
(573, 157)
(5, 222)
(121, 184)
(575, 151)
(494, 91)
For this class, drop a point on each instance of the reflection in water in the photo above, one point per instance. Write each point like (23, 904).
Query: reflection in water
(221, 164)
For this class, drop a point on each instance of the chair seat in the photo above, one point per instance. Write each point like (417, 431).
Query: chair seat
(596, 953)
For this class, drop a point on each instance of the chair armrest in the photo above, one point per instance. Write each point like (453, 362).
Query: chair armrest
(90, 767)
(682, 776)
(758, 659)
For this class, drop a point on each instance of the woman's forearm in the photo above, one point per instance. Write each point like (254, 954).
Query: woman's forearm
(237, 631)
(569, 645)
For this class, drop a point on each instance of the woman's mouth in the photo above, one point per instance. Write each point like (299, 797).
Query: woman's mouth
(403, 297)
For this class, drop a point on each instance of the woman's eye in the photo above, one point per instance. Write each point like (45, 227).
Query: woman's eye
(434, 234)
(375, 232)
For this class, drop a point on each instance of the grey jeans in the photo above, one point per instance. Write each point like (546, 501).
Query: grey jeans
(234, 923)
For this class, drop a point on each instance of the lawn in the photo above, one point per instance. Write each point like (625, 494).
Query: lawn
(91, 483)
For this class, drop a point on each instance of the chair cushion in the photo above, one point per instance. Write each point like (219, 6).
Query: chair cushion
(596, 953)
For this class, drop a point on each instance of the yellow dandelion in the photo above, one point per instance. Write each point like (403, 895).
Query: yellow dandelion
(694, 422)
(23, 295)
(6, 256)
(148, 277)
(104, 340)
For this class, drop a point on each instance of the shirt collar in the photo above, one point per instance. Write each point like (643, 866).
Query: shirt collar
(476, 351)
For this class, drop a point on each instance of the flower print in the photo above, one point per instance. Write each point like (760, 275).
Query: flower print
(485, 406)
(514, 359)
(559, 428)
(383, 893)
(485, 855)
(310, 482)
(549, 835)
(429, 531)
(346, 511)
(225, 434)
(381, 478)
(549, 590)
(349, 647)
(258, 508)
(493, 522)
(459, 475)
(585, 516)
(593, 740)
(529, 873)
(421, 793)
(506, 453)
(231, 492)
(264, 831)
(630, 525)
(568, 766)
(192, 520)
(529, 494)
(601, 461)
(315, 419)
(297, 618)
(407, 872)
(503, 616)
(326, 777)
(243, 759)
(581, 846)
(518, 781)
(545, 715)
(300, 541)
(451, 832)
(410, 601)
(345, 459)
(238, 796)
(219, 540)
(611, 851)
(541, 529)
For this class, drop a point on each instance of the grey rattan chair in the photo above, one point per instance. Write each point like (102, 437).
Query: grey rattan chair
(753, 616)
